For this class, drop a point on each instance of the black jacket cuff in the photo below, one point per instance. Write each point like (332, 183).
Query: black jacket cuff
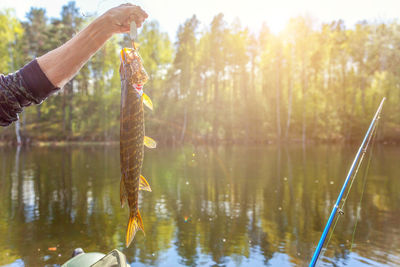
(36, 81)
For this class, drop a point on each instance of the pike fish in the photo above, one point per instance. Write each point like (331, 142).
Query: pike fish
(132, 137)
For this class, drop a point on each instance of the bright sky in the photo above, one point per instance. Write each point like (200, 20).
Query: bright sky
(252, 13)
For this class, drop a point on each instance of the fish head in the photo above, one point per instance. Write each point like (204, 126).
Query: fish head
(132, 62)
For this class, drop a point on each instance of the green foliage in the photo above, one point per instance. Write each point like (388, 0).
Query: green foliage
(10, 33)
(219, 83)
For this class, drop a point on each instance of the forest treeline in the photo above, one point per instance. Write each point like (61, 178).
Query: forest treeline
(218, 83)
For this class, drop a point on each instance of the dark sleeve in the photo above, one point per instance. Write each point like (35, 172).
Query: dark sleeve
(22, 88)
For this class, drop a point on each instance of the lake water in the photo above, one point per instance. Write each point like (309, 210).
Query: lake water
(224, 206)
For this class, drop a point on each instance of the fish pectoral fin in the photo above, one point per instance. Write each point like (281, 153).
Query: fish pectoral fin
(135, 223)
(147, 101)
(143, 184)
(149, 142)
(122, 193)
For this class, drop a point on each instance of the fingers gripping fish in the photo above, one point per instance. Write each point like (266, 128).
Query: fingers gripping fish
(132, 138)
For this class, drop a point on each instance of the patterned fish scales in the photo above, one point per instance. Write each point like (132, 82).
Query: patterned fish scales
(132, 138)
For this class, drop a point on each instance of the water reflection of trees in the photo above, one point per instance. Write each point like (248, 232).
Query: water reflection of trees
(209, 205)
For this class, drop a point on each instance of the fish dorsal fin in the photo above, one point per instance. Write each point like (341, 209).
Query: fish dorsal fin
(147, 101)
(135, 223)
(143, 184)
(149, 142)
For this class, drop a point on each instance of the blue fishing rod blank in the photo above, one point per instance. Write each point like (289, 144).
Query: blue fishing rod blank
(350, 173)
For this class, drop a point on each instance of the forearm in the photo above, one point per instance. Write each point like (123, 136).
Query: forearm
(62, 63)
(40, 78)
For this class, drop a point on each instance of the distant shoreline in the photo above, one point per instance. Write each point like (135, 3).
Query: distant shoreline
(168, 144)
(62, 143)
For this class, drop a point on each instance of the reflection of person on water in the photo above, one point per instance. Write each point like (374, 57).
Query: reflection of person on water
(46, 74)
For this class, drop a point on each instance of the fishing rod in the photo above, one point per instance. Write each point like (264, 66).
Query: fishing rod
(362, 149)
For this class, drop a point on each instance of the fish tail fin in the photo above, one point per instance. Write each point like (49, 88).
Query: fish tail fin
(135, 223)
(122, 193)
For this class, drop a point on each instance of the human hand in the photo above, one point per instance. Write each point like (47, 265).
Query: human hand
(120, 17)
